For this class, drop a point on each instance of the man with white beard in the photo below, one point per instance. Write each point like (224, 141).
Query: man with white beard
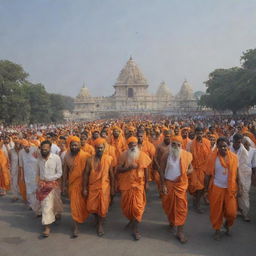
(28, 167)
(133, 182)
(175, 165)
(244, 175)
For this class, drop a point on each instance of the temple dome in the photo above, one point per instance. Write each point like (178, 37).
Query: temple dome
(163, 90)
(84, 93)
(131, 75)
(186, 92)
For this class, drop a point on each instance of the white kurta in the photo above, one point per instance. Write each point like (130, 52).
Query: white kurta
(244, 178)
(50, 170)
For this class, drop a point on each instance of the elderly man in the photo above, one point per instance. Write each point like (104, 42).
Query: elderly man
(174, 168)
(222, 177)
(99, 184)
(244, 175)
(133, 181)
(49, 171)
(73, 178)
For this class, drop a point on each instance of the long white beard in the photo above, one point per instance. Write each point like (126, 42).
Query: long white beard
(132, 156)
(175, 153)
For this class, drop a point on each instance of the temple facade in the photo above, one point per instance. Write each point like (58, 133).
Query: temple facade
(131, 96)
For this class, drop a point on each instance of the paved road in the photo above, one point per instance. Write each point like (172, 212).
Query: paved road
(19, 234)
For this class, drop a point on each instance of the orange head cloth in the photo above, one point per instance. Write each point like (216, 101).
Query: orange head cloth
(132, 139)
(116, 128)
(73, 139)
(214, 136)
(131, 128)
(25, 143)
(177, 139)
(99, 141)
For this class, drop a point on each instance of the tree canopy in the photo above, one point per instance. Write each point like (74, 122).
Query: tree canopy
(234, 88)
(24, 102)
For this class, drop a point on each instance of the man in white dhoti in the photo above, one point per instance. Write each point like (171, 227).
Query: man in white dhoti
(49, 172)
(14, 164)
(28, 166)
(244, 175)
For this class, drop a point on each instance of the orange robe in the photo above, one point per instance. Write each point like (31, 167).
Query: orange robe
(99, 187)
(132, 187)
(148, 148)
(88, 149)
(119, 144)
(110, 150)
(200, 153)
(185, 143)
(223, 202)
(175, 203)
(5, 176)
(78, 203)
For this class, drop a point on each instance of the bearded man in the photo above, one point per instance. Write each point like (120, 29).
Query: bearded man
(133, 182)
(74, 168)
(49, 171)
(99, 184)
(175, 165)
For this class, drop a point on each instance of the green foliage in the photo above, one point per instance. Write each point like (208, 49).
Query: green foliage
(24, 102)
(234, 88)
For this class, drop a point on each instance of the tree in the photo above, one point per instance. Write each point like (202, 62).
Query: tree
(24, 102)
(234, 88)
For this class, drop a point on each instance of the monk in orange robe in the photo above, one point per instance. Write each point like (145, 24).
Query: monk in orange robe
(148, 148)
(175, 166)
(86, 147)
(200, 148)
(133, 181)
(222, 177)
(99, 184)
(118, 141)
(5, 176)
(73, 175)
(185, 139)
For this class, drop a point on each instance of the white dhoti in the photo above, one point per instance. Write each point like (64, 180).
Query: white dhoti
(51, 206)
(244, 185)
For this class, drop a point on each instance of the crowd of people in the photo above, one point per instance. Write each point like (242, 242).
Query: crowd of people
(90, 163)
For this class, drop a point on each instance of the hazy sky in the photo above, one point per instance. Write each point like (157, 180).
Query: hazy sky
(62, 43)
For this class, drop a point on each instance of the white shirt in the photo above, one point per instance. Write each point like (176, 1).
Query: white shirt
(220, 178)
(55, 149)
(49, 169)
(172, 170)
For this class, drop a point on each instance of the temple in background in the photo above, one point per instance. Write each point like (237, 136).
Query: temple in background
(131, 96)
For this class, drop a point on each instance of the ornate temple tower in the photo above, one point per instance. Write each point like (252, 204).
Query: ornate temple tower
(131, 83)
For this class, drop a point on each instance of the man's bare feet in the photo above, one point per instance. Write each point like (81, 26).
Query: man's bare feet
(136, 235)
(100, 230)
(46, 231)
(227, 229)
(181, 237)
(217, 235)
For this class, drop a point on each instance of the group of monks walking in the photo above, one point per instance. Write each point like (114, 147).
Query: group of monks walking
(91, 163)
